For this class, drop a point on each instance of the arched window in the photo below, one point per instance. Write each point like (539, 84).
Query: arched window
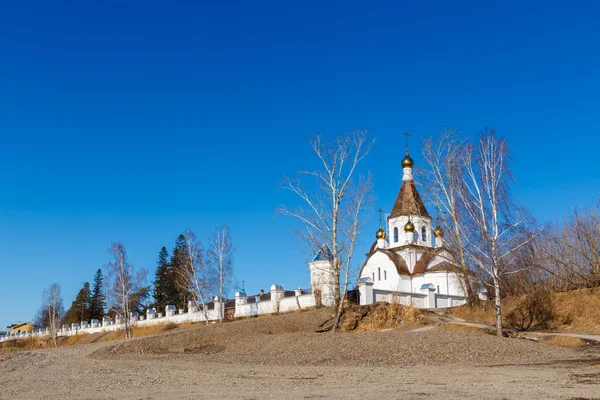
(395, 234)
(424, 234)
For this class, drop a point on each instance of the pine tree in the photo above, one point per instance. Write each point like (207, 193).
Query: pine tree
(139, 299)
(164, 292)
(80, 310)
(98, 298)
(178, 268)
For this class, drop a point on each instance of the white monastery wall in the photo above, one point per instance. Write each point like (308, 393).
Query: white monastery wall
(278, 303)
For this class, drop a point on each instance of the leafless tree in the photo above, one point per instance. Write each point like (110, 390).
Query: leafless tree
(333, 204)
(220, 260)
(125, 281)
(494, 227)
(527, 272)
(445, 158)
(570, 251)
(52, 307)
(199, 280)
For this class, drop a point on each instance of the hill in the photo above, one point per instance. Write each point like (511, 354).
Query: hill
(574, 311)
(291, 339)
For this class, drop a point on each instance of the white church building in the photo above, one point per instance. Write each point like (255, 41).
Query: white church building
(408, 264)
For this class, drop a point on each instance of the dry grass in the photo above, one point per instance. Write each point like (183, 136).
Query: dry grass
(36, 343)
(575, 311)
(45, 342)
(563, 341)
(138, 331)
(463, 328)
(578, 310)
(379, 316)
(484, 313)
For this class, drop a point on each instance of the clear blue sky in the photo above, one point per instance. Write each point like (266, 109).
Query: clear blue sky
(134, 121)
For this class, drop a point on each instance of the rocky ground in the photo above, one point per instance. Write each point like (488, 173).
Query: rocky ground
(282, 357)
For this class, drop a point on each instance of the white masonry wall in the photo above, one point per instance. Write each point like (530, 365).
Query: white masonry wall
(278, 304)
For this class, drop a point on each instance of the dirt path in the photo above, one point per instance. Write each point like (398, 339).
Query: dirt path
(451, 319)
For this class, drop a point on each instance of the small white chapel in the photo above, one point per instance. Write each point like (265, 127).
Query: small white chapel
(410, 263)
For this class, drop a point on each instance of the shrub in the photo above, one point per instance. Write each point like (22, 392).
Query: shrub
(378, 316)
(534, 310)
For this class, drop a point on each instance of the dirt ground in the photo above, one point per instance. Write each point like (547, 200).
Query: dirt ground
(282, 357)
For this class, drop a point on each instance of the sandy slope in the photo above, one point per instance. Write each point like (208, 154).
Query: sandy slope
(281, 357)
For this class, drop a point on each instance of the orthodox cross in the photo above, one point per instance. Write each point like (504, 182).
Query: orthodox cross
(243, 286)
(407, 135)
(380, 211)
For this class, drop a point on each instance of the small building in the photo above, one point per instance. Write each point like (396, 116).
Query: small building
(20, 327)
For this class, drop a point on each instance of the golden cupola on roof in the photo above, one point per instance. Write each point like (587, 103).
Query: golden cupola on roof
(438, 232)
(380, 234)
(409, 227)
(407, 162)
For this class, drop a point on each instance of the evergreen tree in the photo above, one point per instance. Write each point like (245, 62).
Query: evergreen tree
(164, 292)
(98, 298)
(138, 301)
(178, 272)
(80, 308)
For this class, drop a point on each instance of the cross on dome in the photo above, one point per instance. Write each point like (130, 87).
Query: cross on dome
(407, 162)
(380, 233)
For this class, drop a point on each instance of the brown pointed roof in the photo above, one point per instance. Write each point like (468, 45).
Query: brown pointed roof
(408, 202)
(394, 256)
(421, 264)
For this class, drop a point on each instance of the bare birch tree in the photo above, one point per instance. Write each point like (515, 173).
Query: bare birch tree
(125, 282)
(197, 276)
(333, 204)
(493, 227)
(442, 183)
(220, 260)
(52, 307)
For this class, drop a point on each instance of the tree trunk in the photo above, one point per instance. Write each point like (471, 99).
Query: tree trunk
(338, 314)
(318, 300)
(466, 281)
(204, 310)
(221, 303)
(497, 306)
(336, 283)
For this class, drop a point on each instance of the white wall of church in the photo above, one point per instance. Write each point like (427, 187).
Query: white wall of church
(382, 272)
(419, 223)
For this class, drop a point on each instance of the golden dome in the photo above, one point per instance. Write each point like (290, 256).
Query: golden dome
(409, 227)
(380, 234)
(439, 232)
(407, 162)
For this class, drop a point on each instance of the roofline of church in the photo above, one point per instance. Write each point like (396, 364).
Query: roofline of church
(431, 250)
